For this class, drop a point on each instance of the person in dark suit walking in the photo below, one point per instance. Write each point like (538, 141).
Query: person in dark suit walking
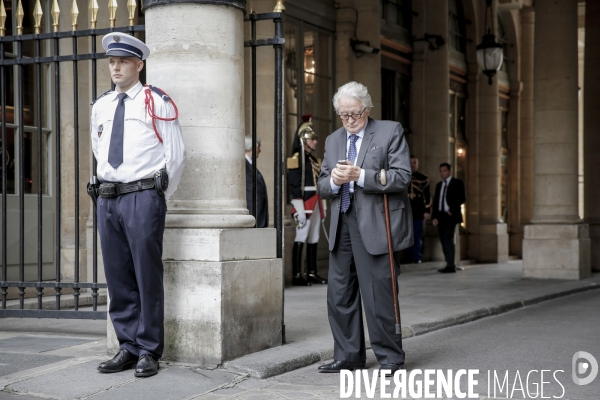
(262, 202)
(358, 264)
(449, 196)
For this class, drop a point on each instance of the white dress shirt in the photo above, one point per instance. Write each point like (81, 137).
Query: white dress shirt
(443, 206)
(248, 158)
(143, 153)
(361, 180)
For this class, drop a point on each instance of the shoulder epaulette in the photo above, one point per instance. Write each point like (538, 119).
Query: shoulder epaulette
(101, 96)
(160, 92)
(293, 162)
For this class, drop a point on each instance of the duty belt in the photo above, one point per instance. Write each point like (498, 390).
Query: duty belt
(117, 189)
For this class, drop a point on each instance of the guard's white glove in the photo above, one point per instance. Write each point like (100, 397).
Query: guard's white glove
(324, 207)
(300, 214)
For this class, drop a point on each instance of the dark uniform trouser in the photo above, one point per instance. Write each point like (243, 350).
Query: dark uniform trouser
(131, 233)
(354, 273)
(446, 228)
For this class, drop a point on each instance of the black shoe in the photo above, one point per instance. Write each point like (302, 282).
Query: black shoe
(447, 270)
(122, 361)
(146, 366)
(337, 366)
(300, 281)
(313, 277)
(389, 369)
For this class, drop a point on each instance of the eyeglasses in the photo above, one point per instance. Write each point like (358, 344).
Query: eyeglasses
(344, 117)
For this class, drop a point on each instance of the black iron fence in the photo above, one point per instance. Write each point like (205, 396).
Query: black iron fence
(277, 41)
(22, 125)
(28, 114)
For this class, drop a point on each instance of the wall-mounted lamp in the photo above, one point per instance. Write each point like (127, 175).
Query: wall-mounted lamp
(435, 41)
(361, 48)
(489, 52)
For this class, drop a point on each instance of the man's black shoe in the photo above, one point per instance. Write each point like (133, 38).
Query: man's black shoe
(146, 366)
(337, 366)
(313, 277)
(300, 281)
(389, 369)
(447, 270)
(122, 361)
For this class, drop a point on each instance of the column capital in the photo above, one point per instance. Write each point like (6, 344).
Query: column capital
(239, 4)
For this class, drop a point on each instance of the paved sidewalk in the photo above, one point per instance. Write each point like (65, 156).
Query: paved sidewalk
(58, 358)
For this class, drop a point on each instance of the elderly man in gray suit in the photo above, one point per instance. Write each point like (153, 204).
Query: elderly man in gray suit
(358, 262)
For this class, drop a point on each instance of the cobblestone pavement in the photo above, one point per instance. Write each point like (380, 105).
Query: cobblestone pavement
(57, 359)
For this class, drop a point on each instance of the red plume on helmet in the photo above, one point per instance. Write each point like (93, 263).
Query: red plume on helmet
(306, 117)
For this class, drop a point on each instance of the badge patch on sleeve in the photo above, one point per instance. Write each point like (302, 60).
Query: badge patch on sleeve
(100, 129)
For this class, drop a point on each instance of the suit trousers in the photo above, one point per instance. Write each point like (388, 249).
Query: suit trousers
(131, 230)
(446, 229)
(356, 275)
(415, 250)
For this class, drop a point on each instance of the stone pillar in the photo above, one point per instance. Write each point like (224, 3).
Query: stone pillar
(591, 121)
(526, 116)
(430, 104)
(492, 230)
(346, 20)
(367, 69)
(493, 235)
(557, 244)
(222, 280)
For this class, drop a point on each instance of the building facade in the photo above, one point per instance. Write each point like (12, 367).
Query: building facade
(518, 143)
(518, 150)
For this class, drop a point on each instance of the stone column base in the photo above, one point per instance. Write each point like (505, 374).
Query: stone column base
(556, 251)
(223, 294)
(493, 243)
(595, 246)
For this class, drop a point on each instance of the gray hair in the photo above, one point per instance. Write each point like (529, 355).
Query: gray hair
(248, 142)
(353, 89)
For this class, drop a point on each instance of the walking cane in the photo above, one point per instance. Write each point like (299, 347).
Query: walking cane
(383, 180)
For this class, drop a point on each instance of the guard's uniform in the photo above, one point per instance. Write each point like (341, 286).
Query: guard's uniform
(303, 173)
(131, 225)
(312, 202)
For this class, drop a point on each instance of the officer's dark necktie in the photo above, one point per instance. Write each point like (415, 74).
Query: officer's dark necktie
(346, 186)
(444, 197)
(115, 151)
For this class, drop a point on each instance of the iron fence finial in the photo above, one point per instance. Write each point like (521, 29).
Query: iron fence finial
(93, 8)
(279, 7)
(2, 19)
(55, 15)
(131, 6)
(74, 14)
(37, 17)
(112, 10)
(20, 14)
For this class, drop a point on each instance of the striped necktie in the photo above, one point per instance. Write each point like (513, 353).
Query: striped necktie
(346, 186)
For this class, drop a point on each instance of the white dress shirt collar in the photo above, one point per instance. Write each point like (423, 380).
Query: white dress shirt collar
(248, 159)
(360, 134)
(132, 92)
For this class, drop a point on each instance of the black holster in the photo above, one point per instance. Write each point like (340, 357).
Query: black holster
(161, 181)
(92, 189)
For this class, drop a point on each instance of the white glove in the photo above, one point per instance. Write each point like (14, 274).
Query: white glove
(324, 207)
(300, 219)
(299, 215)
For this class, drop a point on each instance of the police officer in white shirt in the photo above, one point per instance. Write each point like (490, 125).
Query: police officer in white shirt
(136, 139)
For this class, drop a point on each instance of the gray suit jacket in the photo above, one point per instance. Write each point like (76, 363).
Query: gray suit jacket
(383, 146)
